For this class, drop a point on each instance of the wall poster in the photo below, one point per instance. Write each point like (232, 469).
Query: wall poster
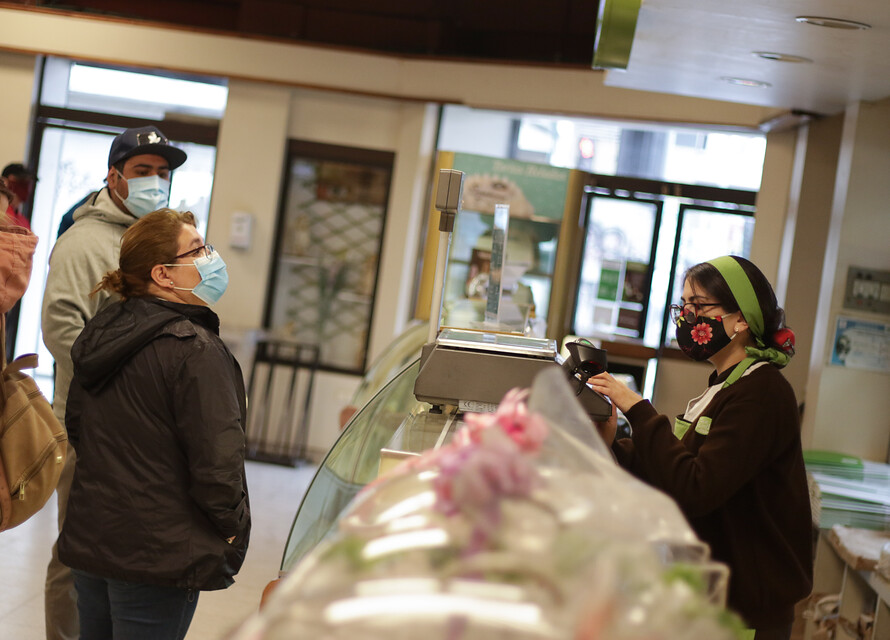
(859, 344)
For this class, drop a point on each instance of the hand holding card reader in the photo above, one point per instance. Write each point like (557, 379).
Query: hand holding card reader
(584, 362)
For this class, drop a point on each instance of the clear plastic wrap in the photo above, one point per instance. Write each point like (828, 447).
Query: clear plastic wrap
(521, 527)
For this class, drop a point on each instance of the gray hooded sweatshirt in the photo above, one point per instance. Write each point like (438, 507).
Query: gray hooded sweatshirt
(79, 260)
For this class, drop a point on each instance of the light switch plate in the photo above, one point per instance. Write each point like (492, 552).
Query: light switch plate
(867, 290)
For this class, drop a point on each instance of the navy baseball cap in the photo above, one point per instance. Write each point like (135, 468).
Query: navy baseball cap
(141, 141)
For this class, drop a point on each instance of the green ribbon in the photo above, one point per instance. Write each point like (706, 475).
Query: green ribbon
(770, 354)
(743, 292)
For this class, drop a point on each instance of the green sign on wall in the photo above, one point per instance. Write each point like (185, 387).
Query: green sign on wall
(608, 288)
(531, 190)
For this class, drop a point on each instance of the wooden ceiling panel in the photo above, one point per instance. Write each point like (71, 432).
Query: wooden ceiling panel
(369, 31)
(557, 32)
(272, 18)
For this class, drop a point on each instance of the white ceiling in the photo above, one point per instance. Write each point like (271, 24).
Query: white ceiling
(685, 47)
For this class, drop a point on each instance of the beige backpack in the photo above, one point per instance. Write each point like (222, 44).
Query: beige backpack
(33, 444)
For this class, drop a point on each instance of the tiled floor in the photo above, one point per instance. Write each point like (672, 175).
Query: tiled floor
(275, 494)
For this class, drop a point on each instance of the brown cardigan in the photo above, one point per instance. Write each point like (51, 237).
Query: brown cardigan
(742, 487)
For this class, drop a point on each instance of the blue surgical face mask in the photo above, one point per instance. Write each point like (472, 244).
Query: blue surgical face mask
(145, 194)
(214, 278)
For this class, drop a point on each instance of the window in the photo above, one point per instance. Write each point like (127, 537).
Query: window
(81, 108)
(659, 199)
(616, 268)
(679, 153)
(639, 243)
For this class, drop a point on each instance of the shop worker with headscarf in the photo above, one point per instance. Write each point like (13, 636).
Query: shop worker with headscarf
(140, 162)
(733, 461)
(158, 510)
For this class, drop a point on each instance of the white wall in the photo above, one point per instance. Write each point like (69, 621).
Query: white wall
(772, 203)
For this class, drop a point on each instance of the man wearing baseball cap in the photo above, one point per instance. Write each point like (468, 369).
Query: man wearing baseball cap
(139, 165)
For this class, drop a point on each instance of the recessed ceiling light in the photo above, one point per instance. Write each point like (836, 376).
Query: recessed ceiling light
(745, 82)
(780, 57)
(834, 23)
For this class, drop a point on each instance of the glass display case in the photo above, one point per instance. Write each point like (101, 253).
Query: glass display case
(330, 232)
(392, 419)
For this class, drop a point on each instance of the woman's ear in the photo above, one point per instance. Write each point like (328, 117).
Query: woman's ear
(740, 325)
(161, 277)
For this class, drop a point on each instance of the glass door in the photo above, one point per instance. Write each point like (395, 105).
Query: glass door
(617, 265)
(706, 232)
(330, 234)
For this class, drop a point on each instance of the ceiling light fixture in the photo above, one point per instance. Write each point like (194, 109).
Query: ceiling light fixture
(833, 23)
(780, 57)
(745, 82)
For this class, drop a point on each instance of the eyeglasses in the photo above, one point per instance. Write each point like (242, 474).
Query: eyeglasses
(690, 310)
(203, 251)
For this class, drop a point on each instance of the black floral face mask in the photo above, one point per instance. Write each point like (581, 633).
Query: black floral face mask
(702, 338)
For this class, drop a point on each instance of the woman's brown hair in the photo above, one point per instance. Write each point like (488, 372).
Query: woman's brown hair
(152, 240)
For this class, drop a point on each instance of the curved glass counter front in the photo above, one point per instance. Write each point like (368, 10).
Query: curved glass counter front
(392, 426)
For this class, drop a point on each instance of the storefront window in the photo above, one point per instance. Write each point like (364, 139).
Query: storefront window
(660, 198)
(130, 92)
(687, 154)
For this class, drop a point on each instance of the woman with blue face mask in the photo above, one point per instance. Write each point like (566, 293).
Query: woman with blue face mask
(158, 509)
(733, 460)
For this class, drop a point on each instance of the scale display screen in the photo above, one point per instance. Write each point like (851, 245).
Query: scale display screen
(498, 342)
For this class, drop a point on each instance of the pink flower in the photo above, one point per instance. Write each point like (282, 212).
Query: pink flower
(526, 429)
(474, 478)
(702, 333)
(486, 461)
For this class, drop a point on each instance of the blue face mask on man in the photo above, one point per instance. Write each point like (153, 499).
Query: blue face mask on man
(214, 278)
(145, 194)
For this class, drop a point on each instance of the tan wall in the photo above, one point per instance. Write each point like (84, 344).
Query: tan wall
(808, 237)
(16, 89)
(250, 153)
(849, 409)
(773, 202)
(259, 120)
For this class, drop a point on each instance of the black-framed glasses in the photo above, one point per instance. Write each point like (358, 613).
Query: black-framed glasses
(690, 311)
(203, 251)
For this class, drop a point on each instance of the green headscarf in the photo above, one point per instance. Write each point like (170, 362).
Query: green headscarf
(743, 292)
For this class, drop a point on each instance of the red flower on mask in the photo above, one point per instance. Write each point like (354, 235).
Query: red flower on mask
(702, 333)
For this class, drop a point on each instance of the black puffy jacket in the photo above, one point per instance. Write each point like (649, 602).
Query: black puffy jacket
(156, 414)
